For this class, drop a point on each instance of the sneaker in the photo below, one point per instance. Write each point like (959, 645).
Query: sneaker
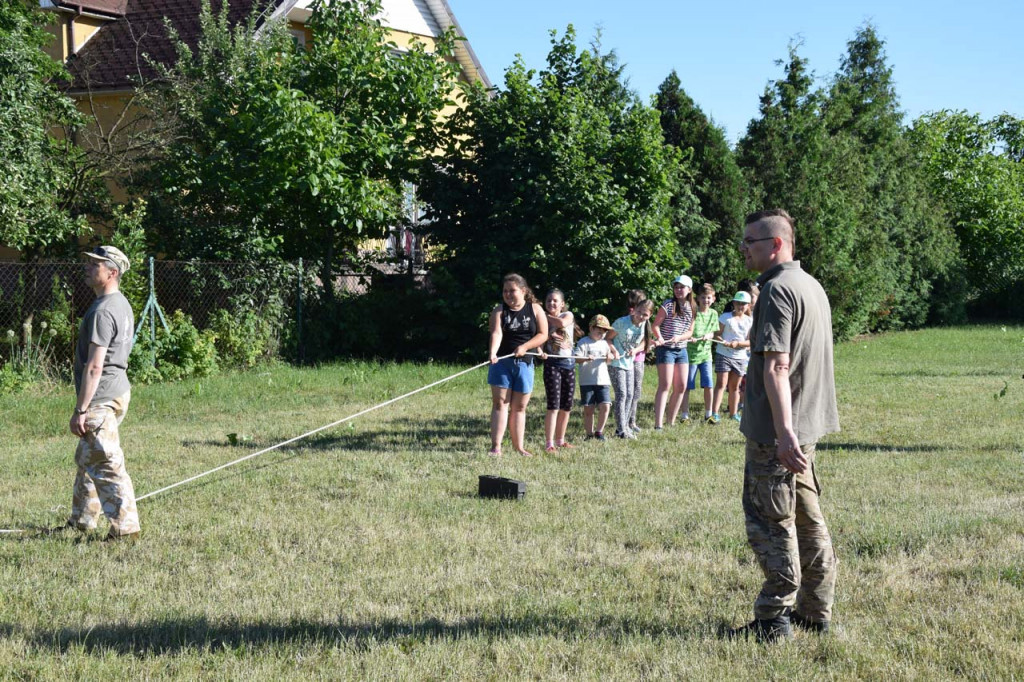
(713, 419)
(621, 434)
(736, 418)
(820, 627)
(599, 436)
(629, 435)
(634, 428)
(659, 428)
(589, 436)
(685, 418)
(766, 631)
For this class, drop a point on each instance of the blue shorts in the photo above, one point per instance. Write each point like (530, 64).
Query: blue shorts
(663, 355)
(595, 395)
(512, 373)
(706, 379)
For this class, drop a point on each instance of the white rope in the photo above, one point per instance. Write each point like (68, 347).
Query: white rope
(296, 438)
(317, 430)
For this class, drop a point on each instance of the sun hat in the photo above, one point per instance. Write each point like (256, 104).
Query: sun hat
(684, 280)
(112, 254)
(741, 297)
(600, 321)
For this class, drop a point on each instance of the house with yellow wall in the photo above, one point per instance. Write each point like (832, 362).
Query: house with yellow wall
(108, 46)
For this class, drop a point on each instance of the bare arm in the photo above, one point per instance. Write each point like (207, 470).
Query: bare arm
(777, 387)
(91, 374)
(656, 328)
(540, 337)
(495, 326)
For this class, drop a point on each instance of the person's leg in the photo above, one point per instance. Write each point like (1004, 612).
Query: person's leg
(500, 398)
(665, 373)
(721, 382)
(734, 394)
(552, 394)
(602, 418)
(817, 555)
(567, 377)
(708, 383)
(638, 385)
(769, 510)
(104, 464)
(517, 421)
(85, 505)
(679, 376)
(588, 420)
(621, 381)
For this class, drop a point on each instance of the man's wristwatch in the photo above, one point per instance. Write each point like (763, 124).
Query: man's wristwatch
(78, 411)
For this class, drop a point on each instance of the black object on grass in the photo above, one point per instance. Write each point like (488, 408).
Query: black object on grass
(502, 488)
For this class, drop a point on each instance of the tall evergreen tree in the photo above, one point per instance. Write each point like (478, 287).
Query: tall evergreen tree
(717, 182)
(562, 176)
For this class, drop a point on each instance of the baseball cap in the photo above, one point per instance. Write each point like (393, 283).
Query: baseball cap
(600, 321)
(684, 280)
(741, 297)
(112, 254)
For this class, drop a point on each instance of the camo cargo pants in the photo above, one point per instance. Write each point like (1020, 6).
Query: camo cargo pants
(787, 532)
(102, 483)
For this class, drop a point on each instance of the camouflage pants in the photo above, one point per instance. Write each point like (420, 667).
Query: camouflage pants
(787, 532)
(102, 483)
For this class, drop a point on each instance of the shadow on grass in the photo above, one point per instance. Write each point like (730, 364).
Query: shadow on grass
(945, 373)
(882, 447)
(199, 634)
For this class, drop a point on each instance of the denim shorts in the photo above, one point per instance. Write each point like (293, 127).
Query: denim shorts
(706, 379)
(663, 355)
(512, 373)
(595, 395)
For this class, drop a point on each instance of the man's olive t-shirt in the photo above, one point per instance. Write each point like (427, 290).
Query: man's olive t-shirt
(792, 316)
(109, 323)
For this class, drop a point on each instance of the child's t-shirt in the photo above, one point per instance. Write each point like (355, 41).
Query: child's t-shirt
(704, 323)
(628, 336)
(735, 328)
(594, 372)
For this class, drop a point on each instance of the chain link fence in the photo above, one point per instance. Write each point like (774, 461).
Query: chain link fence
(41, 303)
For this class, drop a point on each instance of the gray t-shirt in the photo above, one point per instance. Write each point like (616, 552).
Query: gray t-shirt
(108, 322)
(792, 316)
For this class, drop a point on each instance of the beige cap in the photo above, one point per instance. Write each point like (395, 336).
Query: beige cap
(112, 254)
(600, 321)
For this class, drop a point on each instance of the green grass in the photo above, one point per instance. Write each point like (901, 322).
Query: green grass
(364, 553)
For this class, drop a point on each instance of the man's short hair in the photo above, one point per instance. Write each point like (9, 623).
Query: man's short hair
(779, 223)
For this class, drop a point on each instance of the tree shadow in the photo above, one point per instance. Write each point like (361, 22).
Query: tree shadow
(172, 636)
(944, 373)
(881, 447)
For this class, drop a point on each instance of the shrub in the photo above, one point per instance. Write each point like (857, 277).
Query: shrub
(246, 337)
(184, 352)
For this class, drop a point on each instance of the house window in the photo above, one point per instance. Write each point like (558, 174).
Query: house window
(299, 36)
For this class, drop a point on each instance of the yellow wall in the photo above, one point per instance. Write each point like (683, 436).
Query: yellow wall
(83, 28)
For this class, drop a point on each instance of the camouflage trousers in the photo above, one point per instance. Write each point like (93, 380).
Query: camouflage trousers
(787, 532)
(102, 483)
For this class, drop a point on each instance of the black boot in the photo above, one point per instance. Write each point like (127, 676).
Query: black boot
(765, 630)
(820, 627)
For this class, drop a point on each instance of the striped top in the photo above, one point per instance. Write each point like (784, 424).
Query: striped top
(674, 326)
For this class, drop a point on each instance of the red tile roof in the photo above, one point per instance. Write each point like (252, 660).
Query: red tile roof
(113, 59)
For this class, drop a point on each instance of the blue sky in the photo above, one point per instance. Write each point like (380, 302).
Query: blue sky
(944, 54)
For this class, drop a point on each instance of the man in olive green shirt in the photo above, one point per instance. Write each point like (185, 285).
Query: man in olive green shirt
(790, 403)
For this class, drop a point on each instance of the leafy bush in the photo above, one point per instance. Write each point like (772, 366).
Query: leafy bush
(182, 353)
(246, 337)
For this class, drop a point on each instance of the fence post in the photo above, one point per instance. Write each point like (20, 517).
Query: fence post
(152, 318)
(301, 349)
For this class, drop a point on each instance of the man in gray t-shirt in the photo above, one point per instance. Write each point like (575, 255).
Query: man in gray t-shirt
(105, 338)
(790, 403)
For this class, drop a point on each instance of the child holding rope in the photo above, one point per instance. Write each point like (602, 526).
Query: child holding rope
(628, 336)
(595, 383)
(517, 326)
(705, 326)
(673, 327)
(559, 370)
(732, 354)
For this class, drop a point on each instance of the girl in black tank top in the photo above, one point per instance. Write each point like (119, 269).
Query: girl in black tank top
(517, 327)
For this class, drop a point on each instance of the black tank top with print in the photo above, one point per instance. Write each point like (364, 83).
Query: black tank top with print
(517, 327)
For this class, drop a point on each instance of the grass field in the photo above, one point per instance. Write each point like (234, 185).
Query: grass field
(364, 552)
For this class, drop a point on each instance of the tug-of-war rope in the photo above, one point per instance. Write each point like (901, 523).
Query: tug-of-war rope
(14, 531)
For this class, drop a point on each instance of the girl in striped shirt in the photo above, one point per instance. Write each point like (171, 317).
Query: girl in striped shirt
(673, 326)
